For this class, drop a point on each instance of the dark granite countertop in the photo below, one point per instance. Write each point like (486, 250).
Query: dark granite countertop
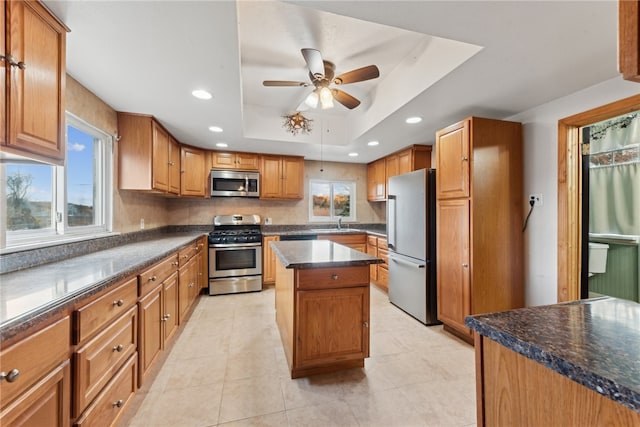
(305, 229)
(28, 296)
(319, 254)
(594, 342)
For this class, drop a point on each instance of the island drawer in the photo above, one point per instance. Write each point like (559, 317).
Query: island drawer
(97, 361)
(95, 315)
(336, 277)
(157, 274)
(28, 360)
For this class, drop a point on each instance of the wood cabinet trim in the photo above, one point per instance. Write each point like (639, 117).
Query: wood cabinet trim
(629, 39)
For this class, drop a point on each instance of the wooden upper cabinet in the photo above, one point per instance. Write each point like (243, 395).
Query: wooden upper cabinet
(378, 173)
(174, 166)
(238, 161)
(453, 160)
(144, 152)
(376, 181)
(281, 177)
(193, 172)
(629, 39)
(33, 75)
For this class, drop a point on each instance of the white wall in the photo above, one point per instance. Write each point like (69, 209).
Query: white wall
(541, 176)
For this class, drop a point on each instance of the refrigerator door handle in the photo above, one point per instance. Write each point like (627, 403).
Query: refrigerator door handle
(391, 229)
(402, 261)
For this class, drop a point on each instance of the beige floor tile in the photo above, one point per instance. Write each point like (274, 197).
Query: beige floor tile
(251, 364)
(385, 409)
(313, 390)
(278, 419)
(334, 413)
(251, 397)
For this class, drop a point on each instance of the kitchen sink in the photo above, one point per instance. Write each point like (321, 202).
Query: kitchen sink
(334, 230)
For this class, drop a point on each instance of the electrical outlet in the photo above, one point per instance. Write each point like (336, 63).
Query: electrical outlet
(141, 223)
(268, 221)
(537, 199)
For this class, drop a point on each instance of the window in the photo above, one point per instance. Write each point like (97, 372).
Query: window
(330, 200)
(48, 203)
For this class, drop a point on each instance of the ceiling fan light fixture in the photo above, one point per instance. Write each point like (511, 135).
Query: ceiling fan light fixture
(312, 99)
(326, 98)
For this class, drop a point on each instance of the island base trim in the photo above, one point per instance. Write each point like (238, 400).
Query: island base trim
(325, 369)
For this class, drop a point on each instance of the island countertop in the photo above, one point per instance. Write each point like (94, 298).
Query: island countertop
(594, 342)
(304, 254)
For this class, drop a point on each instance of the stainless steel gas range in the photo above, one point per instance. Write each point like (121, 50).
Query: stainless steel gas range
(235, 254)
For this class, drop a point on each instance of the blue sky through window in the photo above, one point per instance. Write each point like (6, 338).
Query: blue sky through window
(80, 167)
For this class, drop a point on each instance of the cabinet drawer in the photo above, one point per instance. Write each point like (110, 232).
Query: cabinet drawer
(32, 357)
(157, 274)
(383, 275)
(339, 277)
(100, 358)
(372, 241)
(382, 243)
(95, 315)
(384, 255)
(109, 406)
(187, 253)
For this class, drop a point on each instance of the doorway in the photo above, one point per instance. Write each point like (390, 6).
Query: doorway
(570, 192)
(610, 260)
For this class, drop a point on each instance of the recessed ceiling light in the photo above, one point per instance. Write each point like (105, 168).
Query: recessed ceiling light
(413, 120)
(373, 143)
(216, 129)
(222, 144)
(353, 154)
(201, 94)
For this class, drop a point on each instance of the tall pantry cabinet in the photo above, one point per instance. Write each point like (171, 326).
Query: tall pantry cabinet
(479, 220)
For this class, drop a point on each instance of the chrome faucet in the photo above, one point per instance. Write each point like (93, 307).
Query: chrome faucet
(339, 223)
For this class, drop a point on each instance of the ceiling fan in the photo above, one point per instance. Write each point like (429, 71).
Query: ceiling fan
(322, 74)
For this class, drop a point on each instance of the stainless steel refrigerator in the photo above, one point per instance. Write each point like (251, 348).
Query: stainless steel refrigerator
(411, 219)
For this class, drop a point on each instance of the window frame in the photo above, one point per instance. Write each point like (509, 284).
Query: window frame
(331, 218)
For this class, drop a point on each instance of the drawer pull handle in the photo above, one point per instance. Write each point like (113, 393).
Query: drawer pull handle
(13, 63)
(191, 285)
(334, 277)
(465, 265)
(119, 303)
(464, 159)
(12, 376)
(153, 278)
(118, 348)
(174, 263)
(185, 256)
(365, 324)
(118, 403)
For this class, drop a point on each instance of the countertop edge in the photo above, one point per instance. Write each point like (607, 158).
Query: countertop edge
(595, 382)
(324, 264)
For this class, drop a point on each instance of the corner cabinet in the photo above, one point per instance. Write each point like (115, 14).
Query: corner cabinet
(281, 177)
(32, 80)
(479, 220)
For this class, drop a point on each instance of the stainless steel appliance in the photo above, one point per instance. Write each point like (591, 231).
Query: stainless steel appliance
(411, 219)
(235, 254)
(225, 183)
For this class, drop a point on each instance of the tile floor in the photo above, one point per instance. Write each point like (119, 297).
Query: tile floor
(228, 368)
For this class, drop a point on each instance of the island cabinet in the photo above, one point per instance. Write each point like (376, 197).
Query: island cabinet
(193, 172)
(323, 316)
(158, 311)
(235, 161)
(357, 241)
(36, 378)
(146, 155)
(478, 220)
(32, 81)
(268, 260)
(281, 177)
(105, 334)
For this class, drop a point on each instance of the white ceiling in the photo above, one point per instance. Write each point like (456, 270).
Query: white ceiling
(442, 61)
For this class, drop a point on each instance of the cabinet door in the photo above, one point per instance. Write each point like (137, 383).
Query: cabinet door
(3, 79)
(151, 334)
(453, 270)
(174, 166)
(170, 307)
(271, 177)
(35, 116)
(372, 249)
(405, 161)
(160, 154)
(269, 260)
(392, 166)
(47, 403)
(376, 180)
(186, 283)
(293, 174)
(333, 324)
(247, 161)
(221, 160)
(193, 180)
(452, 161)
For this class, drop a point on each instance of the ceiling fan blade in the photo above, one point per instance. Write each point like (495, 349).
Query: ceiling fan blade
(361, 74)
(314, 61)
(345, 99)
(283, 83)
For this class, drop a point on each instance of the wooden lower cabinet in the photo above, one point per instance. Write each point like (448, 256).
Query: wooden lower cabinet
(377, 246)
(354, 241)
(268, 260)
(46, 403)
(187, 289)
(513, 390)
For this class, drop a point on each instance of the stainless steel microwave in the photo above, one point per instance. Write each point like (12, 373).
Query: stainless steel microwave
(226, 183)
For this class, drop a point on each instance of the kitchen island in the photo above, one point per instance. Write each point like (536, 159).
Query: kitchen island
(322, 305)
(570, 364)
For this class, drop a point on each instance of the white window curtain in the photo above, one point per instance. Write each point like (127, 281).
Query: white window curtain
(614, 199)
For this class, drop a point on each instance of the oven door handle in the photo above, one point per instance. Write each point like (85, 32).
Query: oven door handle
(232, 246)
